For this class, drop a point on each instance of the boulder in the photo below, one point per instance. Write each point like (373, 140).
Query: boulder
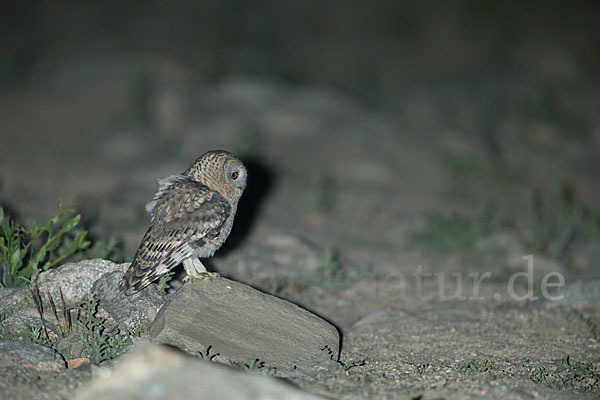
(241, 323)
(31, 354)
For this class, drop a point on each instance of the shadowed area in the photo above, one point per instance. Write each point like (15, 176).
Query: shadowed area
(261, 180)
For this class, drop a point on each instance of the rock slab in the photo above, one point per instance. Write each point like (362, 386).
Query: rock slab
(241, 323)
(31, 354)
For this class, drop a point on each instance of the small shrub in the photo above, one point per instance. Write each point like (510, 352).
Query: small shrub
(99, 344)
(25, 252)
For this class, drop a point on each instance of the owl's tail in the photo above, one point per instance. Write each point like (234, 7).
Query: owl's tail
(132, 281)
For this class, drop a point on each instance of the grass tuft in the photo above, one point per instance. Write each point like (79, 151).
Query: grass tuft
(451, 234)
(331, 274)
(206, 354)
(558, 221)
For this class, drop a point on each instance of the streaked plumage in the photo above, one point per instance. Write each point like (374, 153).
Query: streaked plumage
(192, 215)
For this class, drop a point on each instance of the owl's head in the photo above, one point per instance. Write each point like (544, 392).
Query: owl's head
(220, 171)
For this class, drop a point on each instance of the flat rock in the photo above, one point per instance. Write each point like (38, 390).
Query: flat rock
(242, 323)
(158, 372)
(32, 371)
(579, 294)
(31, 354)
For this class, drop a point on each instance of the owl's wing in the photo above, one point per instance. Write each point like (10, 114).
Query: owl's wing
(184, 216)
(163, 185)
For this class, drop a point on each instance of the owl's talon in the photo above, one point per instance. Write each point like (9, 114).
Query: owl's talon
(203, 276)
(213, 275)
(208, 275)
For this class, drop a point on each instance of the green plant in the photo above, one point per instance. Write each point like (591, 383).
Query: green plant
(424, 369)
(569, 370)
(327, 350)
(474, 366)
(254, 364)
(451, 234)
(108, 249)
(353, 363)
(557, 221)
(34, 334)
(25, 252)
(37, 335)
(163, 283)
(87, 329)
(6, 333)
(99, 344)
(205, 355)
(276, 286)
(321, 192)
(331, 275)
(466, 169)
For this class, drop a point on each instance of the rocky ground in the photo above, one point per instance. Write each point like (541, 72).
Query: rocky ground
(445, 238)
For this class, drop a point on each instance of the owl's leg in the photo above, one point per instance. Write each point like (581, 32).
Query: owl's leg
(195, 269)
(202, 272)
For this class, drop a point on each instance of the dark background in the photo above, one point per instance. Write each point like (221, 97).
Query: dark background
(375, 51)
(92, 91)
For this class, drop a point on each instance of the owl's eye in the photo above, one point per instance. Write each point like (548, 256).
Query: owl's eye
(233, 175)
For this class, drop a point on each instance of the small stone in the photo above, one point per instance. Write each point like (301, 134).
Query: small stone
(242, 323)
(77, 362)
(69, 347)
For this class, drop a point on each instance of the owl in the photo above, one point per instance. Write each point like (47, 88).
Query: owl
(192, 215)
